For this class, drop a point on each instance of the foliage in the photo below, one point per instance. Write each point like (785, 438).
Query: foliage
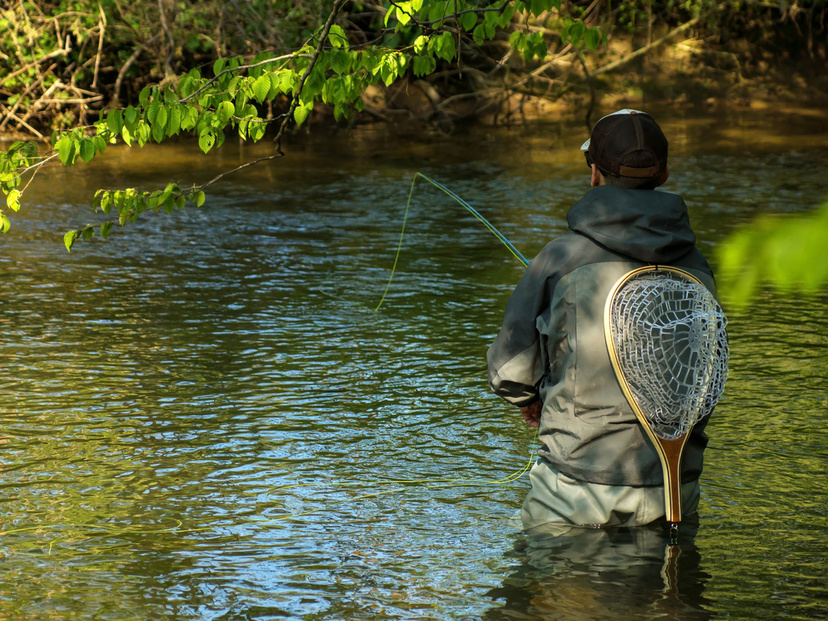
(238, 94)
(62, 60)
(787, 251)
(247, 68)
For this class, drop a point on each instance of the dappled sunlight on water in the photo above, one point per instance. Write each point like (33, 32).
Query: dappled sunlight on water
(205, 418)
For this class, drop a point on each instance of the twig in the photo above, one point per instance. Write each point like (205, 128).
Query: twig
(167, 62)
(240, 68)
(102, 26)
(323, 34)
(34, 107)
(238, 168)
(129, 62)
(20, 100)
(591, 83)
(26, 125)
(36, 168)
(643, 50)
(34, 63)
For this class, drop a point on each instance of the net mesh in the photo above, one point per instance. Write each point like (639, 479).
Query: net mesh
(670, 339)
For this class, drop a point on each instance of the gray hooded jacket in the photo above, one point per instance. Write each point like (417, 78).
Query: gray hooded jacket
(551, 346)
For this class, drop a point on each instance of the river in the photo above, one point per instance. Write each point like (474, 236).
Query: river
(205, 417)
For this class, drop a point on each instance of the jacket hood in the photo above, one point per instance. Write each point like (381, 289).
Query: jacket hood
(646, 225)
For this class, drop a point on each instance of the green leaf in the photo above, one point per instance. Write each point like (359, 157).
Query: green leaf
(142, 133)
(158, 132)
(225, 111)
(313, 85)
(261, 87)
(479, 34)
(106, 201)
(66, 149)
(131, 115)
(256, 130)
(13, 200)
(517, 41)
(288, 81)
(206, 139)
(5, 224)
(161, 118)
(184, 85)
(174, 122)
(69, 240)
(153, 111)
(86, 149)
(592, 38)
(218, 66)
(189, 118)
(301, 113)
(424, 65)
(337, 37)
(115, 121)
(341, 62)
(105, 228)
(576, 32)
(235, 84)
(468, 21)
(159, 125)
(144, 96)
(199, 198)
(446, 49)
(404, 11)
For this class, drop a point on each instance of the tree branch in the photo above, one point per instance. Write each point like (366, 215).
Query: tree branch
(240, 68)
(323, 35)
(643, 50)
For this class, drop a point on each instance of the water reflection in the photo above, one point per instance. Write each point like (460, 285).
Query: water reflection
(596, 574)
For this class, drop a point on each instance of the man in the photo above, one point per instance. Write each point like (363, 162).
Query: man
(596, 464)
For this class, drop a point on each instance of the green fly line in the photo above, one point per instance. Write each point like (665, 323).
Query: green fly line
(468, 207)
(398, 484)
(422, 483)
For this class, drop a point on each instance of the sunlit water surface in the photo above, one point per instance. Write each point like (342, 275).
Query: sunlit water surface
(205, 418)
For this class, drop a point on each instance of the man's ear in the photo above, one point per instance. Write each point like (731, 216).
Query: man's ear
(664, 176)
(597, 177)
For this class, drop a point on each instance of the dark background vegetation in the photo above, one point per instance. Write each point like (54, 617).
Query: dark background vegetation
(61, 62)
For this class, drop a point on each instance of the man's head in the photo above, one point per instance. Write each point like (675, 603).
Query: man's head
(627, 149)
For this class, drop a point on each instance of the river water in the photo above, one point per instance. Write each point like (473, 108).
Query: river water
(205, 418)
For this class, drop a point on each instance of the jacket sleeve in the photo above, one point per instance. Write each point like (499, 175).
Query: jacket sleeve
(516, 359)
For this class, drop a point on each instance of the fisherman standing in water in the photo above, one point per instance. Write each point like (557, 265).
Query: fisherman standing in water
(596, 464)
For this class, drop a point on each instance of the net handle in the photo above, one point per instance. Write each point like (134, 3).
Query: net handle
(669, 451)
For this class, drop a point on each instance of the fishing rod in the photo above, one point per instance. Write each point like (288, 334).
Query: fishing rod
(515, 252)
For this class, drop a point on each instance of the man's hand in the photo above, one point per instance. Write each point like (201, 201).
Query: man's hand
(532, 413)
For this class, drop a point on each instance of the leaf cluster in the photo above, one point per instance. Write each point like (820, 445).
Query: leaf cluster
(129, 204)
(787, 251)
(242, 95)
(17, 158)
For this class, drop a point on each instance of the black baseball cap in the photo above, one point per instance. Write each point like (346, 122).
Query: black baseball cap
(627, 143)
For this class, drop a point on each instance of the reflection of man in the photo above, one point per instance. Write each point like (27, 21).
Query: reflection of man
(550, 358)
(609, 573)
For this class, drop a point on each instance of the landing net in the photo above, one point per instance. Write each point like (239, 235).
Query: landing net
(670, 339)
